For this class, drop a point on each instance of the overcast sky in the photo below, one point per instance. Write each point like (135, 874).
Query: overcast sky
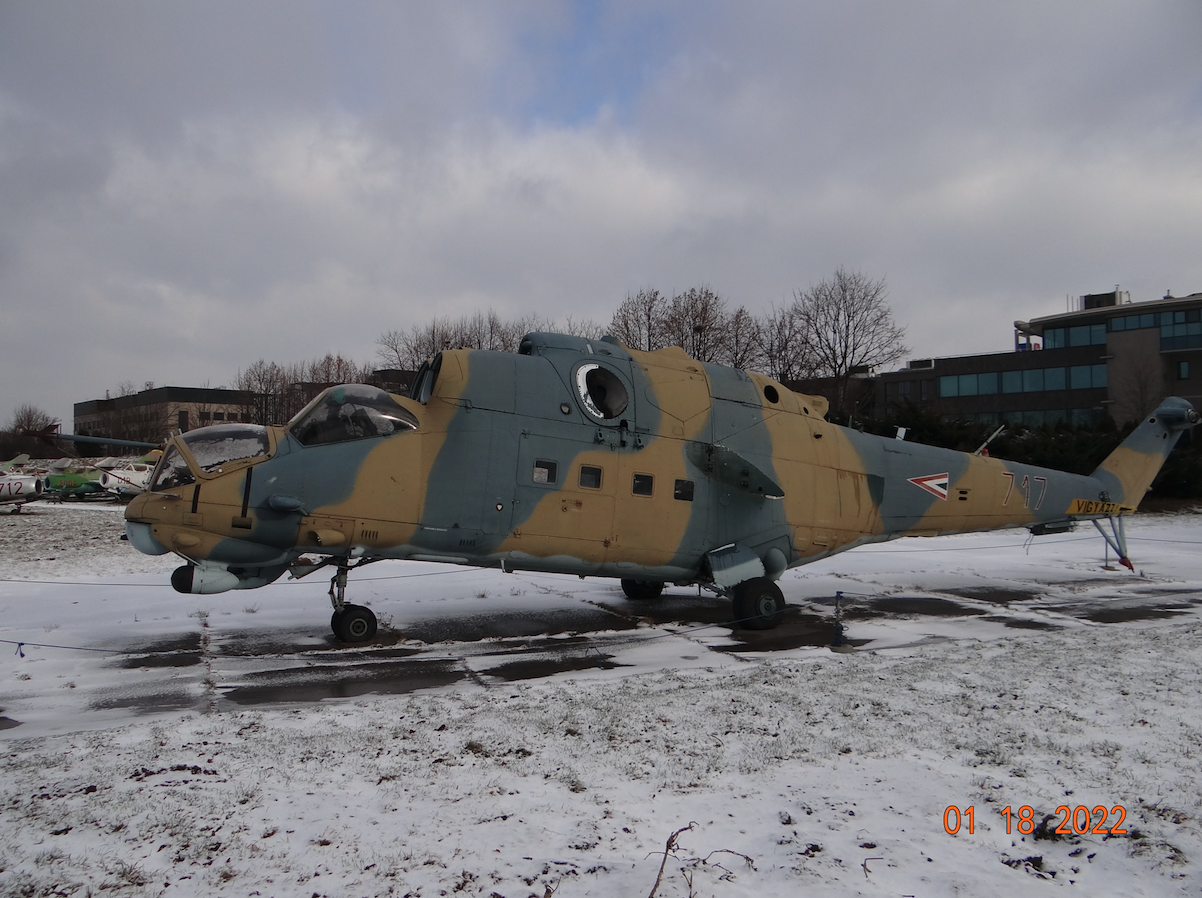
(186, 188)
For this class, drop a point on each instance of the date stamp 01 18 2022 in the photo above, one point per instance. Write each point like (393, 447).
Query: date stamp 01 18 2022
(1077, 821)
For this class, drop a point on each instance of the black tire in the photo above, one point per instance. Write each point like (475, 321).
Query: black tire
(642, 590)
(354, 624)
(758, 604)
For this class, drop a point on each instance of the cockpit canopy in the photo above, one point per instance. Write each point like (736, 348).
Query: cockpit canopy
(211, 447)
(350, 412)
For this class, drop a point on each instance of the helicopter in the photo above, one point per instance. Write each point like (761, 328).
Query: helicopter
(587, 457)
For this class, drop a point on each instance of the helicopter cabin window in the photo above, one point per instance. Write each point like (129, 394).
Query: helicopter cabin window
(545, 471)
(222, 443)
(642, 485)
(173, 471)
(350, 412)
(683, 490)
(590, 477)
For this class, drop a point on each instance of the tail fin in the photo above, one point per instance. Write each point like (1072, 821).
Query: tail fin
(1128, 471)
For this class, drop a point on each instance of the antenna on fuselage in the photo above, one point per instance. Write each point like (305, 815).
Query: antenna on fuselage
(983, 449)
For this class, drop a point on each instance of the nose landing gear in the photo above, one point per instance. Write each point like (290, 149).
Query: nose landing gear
(350, 623)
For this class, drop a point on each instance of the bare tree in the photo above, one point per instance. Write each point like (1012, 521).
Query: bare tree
(695, 321)
(742, 341)
(847, 327)
(639, 321)
(280, 391)
(783, 347)
(28, 418)
(580, 327)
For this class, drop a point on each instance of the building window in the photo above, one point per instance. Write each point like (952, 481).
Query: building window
(545, 471)
(949, 386)
(987, 383)
(642, 484)
(218, 416)
(204, 418)
(1080, 377)
(1012, 381)
(1183, 370)
(927, 387)
(683, 490)
(1053, 378)
(1033, 380)
(590, 477)
(182, 419)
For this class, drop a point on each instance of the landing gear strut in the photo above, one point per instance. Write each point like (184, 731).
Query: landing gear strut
(350, 623)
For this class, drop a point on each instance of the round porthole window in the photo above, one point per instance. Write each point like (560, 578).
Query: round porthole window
(602, 393)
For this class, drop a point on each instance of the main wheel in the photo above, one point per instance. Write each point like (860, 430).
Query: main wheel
(354, 624)
(641, 590)
(758, 604)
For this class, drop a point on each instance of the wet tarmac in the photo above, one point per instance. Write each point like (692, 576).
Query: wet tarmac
(247, 667)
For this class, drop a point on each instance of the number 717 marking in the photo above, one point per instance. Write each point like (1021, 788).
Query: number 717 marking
(1025, 486)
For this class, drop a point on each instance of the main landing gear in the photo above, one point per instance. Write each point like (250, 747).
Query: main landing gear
(642, 590)
(758, 603)
(350, 623)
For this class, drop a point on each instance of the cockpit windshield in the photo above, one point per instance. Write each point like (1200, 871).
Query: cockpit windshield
(173, 471)
(213, 446)
(350, 412)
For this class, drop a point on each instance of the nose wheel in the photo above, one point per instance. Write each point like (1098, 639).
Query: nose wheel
(354, 623)
(350, 623)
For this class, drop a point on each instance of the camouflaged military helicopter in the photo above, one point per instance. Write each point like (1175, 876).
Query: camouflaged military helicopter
(585, 457)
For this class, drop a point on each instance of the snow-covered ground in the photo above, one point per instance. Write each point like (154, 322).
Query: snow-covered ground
(526, 734)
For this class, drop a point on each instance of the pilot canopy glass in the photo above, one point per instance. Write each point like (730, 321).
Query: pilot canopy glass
(215, 446)
(352, 412)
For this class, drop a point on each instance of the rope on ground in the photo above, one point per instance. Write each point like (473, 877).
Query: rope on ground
(71, 648)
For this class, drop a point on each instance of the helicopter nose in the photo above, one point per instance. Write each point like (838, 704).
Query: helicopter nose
(142, 538)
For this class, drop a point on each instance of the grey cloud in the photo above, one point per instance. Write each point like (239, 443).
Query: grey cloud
(186, 189)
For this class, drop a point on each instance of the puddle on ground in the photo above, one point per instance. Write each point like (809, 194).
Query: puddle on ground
(257, 643)
(312, 684)
(182, 650)
(534, 669)
(163, 659)
(1127, 614)
(995, 595)
(934, 607)
(1020, 623)
(478, 627)
(797, 629)
(174, 700)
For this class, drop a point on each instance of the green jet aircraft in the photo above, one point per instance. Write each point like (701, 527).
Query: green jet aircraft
(584, 457)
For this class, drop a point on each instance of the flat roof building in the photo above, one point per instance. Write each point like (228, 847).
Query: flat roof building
(151, 415)
(1109, 359)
